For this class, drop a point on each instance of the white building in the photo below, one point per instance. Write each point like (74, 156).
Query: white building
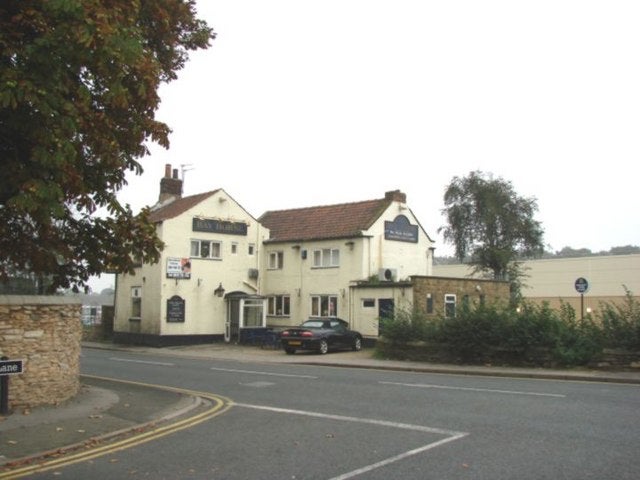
(223, 271)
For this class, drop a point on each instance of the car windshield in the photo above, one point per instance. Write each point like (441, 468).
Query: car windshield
(315, 324)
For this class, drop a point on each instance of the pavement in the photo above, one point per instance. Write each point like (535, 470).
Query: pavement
(107, 410)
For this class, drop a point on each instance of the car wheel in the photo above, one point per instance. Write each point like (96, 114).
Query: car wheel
(289, 351)
(357, 344)
(323, 347)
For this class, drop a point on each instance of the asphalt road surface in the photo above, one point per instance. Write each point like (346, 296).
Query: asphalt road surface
(310, 422)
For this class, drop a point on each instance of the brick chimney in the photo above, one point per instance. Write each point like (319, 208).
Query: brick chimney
(170, 185)
(396, 196)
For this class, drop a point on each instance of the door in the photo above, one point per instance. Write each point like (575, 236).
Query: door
(243, 311)
(386, 310)
(232, 326)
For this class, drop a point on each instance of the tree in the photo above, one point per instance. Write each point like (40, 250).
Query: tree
(79, 86)
(491, 226)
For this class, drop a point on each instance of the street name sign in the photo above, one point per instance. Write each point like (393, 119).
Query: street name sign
(10, 367)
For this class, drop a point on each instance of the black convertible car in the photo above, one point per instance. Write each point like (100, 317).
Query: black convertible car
(321, 335)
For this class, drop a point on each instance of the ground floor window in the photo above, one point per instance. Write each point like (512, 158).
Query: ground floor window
(429, 303)
(279, 305)
(450, 305)
(368, 302)
(252, 312)
(136, 302)
(324, 305)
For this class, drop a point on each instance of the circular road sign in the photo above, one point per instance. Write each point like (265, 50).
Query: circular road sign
(581, 285)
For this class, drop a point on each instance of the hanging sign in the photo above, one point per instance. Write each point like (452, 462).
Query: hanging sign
(178, 268)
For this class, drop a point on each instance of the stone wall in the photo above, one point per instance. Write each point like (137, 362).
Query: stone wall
(45, 333)
(465, 289)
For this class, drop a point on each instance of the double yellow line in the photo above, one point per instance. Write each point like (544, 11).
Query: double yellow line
(220, 405)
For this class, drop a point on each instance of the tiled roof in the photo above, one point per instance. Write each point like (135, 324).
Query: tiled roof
(316, 223)
(178, 206)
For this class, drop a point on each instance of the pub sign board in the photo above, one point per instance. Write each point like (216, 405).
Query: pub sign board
(175, 309)
(10, 367)
(401, 230)
(218, 226)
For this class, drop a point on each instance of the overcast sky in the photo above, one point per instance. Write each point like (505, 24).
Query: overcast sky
(301, 103)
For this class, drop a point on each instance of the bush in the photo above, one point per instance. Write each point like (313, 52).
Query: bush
(486, 333)
(405, 326)
(489, 333)
(579, 342)
(621, 323)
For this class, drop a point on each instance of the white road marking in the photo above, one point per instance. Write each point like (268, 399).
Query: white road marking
(451, 435)
(262, 373)
(258, 384)
(342, 418)
(164, 364)
(470, 389)
(397, 458)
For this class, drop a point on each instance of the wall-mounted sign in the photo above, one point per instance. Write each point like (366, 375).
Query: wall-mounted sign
(10, 367)
(175, 309)
(178, 268)
(219, 226)
(401, 230)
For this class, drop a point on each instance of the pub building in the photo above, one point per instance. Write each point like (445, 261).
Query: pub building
(224, 273)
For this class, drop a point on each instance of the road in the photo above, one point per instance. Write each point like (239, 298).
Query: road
(311, 422)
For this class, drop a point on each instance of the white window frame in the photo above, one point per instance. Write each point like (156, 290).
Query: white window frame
(279, 305)
(136, 302)
(276, 260)
(368, 303)
(251, 249)
(197, 251)
(450, 301)
(326, 257)
(330, 302)
(234, 248)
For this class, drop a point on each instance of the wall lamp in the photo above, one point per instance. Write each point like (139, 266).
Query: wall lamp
(219, 292)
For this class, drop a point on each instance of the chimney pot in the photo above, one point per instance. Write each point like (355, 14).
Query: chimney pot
(396, 196)
(170, 185)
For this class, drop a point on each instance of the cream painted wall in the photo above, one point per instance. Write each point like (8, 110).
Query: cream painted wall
(301, 280)
(406, 257)
(365, 319)
(205, 313)
(360, 258)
